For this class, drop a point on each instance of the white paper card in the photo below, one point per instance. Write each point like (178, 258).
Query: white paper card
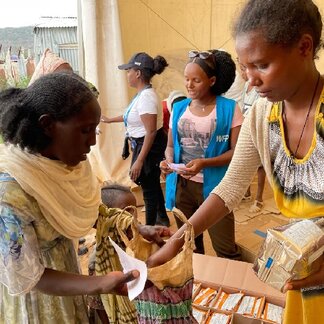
(177, 167)
(129, 263)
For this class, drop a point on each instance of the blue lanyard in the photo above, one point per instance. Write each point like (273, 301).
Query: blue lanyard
(132, 103)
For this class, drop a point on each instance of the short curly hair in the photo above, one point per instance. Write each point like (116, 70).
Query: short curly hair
(61, 95)
(111, 193)
(221, 65)
(281, 22)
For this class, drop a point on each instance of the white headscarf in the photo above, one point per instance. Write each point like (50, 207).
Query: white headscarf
(68, 197)
(173, 96)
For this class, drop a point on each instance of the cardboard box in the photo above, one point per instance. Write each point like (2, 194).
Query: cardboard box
(250, 234)
(234, 276)
(239, 319)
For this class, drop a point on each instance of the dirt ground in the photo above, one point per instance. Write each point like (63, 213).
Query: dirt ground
(241, 213)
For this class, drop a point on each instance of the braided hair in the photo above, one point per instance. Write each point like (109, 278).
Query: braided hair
(61, 95)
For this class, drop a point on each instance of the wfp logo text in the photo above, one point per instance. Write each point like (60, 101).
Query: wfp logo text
(222, 138)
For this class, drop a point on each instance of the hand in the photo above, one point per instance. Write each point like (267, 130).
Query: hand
(104, 119)
(314, 279)
(155, 233)
(165, 253)
(164, 166)
(135, 170)
(193, 167)
(115, 282)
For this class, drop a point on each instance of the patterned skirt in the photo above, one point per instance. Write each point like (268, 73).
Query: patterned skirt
(170, 305)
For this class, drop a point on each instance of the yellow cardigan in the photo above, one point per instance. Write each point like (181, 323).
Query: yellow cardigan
(252, 150)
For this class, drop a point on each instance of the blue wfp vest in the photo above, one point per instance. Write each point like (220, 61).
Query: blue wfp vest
(219, 144)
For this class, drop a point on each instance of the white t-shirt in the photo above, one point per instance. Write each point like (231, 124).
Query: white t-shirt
(147, 102)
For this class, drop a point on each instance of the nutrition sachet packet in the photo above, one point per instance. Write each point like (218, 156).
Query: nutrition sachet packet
(291, 252)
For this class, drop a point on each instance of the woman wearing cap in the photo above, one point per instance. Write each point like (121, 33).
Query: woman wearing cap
(143, 121)
(202, 137)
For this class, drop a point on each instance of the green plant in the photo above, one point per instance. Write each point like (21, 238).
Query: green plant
(3, 84)
(22, 83)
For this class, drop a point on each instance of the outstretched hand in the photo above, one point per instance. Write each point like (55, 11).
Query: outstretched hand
(104, 119)
(155, 233)
(314, 279)
(165, 253)
(115, 282)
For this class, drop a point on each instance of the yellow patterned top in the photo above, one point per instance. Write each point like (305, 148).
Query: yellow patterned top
(298, 184)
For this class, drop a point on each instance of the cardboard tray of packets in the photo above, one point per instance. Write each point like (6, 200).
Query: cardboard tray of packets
(228, 292)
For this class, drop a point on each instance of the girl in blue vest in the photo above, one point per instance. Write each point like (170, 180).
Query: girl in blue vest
(202, 137)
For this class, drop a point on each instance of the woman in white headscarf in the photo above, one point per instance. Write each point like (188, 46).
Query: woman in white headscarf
(49, 196)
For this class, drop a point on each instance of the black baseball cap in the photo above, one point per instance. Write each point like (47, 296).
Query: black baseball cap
(138, 60)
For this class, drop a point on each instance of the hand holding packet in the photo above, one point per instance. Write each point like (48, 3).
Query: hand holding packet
(291, 252)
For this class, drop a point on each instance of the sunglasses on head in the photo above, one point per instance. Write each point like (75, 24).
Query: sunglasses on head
(203, 55)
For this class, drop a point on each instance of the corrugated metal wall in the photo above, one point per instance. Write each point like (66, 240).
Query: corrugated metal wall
(61, 40)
